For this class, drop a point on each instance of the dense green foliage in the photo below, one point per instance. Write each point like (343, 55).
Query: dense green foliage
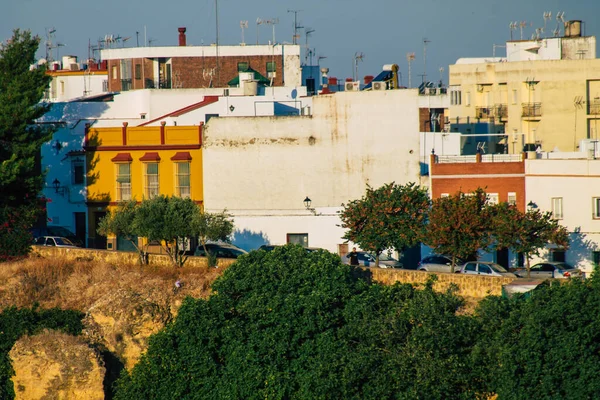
(288, 324)
(392, 216)
(15, 323)
(120, 222)
(21, 179)
(212, 227)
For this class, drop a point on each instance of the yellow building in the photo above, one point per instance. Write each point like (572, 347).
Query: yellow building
(139, 163)
(544, 93)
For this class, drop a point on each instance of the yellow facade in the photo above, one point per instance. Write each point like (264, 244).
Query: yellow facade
(553, 104)
(141, 162)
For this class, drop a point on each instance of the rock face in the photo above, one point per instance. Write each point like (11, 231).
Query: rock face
(122, 322)
(54, 365)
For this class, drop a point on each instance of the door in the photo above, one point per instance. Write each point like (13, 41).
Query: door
(80, 227)
(502, 258)
(99, 241)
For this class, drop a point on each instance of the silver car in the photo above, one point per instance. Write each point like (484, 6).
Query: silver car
(439, 263)
(551, 269)
(485, 268)
(368, 260)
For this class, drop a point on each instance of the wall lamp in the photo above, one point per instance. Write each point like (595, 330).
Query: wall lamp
(531, 205)
(307, 202)
(57, 188)
(57, 146)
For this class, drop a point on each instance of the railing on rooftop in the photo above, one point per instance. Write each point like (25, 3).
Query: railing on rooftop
(473, 158)
(532, 110)
(125, 85)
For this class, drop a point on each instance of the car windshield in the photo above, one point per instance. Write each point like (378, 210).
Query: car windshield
(497, 267)
(63, 242)
(385, 257)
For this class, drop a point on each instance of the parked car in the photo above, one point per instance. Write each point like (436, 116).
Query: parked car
(56, 231)
(485, 268)
(551, 269)
(54, 241)
(366, 259)
(221, 250)
(439, 263)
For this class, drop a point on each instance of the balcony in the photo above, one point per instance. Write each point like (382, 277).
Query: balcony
(531, 110)
(483, 112)
(500, 111)
(594, 107)
(125, 85)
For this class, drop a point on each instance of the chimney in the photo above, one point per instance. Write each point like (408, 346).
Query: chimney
(368, 79)
(182, 36)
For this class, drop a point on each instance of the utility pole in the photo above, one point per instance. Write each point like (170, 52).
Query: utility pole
(296, 26)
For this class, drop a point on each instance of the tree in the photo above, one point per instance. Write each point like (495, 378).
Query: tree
(288, 324)
(392, 216)
(169, 221)
(120, 222)
(21, 178)
(526, 232)
(459, 225)
(212, 227)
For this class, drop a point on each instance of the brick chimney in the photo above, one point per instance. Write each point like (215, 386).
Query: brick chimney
(182, 36)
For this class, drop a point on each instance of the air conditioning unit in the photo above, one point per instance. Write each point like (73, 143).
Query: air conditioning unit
(480, 88)
(271, 75)
(352, 86)
(379, 86)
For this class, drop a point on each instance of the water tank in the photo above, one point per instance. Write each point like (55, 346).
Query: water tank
(68, 60)
(573, 28)
(250, 88)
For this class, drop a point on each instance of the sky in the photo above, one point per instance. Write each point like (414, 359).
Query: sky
(438, 32)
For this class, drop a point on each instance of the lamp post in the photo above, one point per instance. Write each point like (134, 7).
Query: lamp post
(307, 202)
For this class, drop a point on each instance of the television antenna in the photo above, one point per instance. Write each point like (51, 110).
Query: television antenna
(441, 75)
(307, 32)
(296, 26)
(560, 18)
(425, 42)
(513, 27)
(410, 57)
(243, 25)
(150, 41)
(522, 25)
(547, 17)
(481, 147)
(358, 56)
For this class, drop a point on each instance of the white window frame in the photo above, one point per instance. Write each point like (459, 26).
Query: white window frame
(512, 198)
(596, 207)
(151, 181)
(557, 207)
(444, 195)
(185, 192)
(468, 99)
(515, 96)
(123, 182)
(492, 198)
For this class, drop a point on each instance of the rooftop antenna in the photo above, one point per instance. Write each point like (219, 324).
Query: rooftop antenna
(560, 18)
(513, 27)
(258, 23)
(522, 25)
(410, 57)
(150, 41)
(296, 26)
(307, 33)
(425, 42)
(538, 33)
(273, 22)
(358, 56)
(243, 25)
(124, 40)
(547, 17)
(49, 46)
(441, 75)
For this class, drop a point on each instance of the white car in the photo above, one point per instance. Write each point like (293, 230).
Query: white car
(368, 260)
(54, 241)
(485, 268)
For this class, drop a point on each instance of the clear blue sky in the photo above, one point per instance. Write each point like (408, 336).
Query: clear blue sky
(383, 30)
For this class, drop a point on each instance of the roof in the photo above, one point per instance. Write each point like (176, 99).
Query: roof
(256, 76)
(206, 101)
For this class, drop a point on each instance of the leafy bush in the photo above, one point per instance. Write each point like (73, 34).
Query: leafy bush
(15, 323)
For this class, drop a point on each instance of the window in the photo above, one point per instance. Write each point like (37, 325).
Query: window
(484, 269)
(596, 206)
(468, 99)
(182, 180)
(444, 195)
(514, 96)
(243, 66)
(492, 198)
(62, 87)
(298, 238)
(557, 208)
(123, 182)
(558, 255)
(151, 188)
(114, 72)
(138, 71)
(512, 198)
(596, 258)
(470, 267)
(271, 68)
(77, 174)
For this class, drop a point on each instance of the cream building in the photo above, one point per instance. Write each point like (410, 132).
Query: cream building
(544, 94)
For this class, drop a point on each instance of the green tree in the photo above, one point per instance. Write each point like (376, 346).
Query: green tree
(169, 221)
(392, 216)
(21, 178)
(212, 227)
(526, 232)
(288, 324)
(459, 225)
(120, 222)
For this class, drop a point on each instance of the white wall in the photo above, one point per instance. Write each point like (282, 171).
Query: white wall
(272, 163)
(65, 86)
(577, 182)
